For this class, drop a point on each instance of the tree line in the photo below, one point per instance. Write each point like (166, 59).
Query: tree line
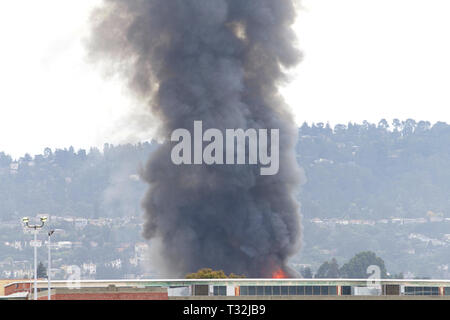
(370, 171)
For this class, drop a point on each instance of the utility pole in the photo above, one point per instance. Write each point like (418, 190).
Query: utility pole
(49, 265)
(35, 227)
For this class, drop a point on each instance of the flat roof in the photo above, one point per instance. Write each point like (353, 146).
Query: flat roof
(236, 282)
(17, 295)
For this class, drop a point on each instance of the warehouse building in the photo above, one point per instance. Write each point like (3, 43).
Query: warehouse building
(233, 289)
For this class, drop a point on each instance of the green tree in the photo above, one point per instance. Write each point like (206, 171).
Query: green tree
(306, 273)
(208, 273)
(328, 270)
(356, 268)
(41, 271)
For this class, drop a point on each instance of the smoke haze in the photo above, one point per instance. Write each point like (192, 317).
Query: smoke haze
(221, 62)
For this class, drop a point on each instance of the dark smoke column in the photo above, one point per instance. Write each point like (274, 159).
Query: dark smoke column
(218, 61)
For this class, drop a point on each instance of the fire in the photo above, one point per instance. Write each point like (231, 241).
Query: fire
(279, 274)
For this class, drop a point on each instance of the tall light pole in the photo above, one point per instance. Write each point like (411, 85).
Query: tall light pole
(49, 265)
(35, 227)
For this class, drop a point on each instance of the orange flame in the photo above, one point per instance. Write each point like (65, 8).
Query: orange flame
(279, 274)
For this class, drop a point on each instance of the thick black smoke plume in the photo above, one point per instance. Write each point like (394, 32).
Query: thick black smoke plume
(221, 62)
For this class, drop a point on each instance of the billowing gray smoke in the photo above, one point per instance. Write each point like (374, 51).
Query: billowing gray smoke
(221, 62)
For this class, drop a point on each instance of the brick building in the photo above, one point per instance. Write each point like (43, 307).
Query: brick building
(110, 293)
(15, 286)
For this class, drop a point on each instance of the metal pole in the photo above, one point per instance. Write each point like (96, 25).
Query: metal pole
(35, 264)
(35, 227)
(49, 267)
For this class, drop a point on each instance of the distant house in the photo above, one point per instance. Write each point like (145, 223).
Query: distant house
(65, 244)
(14, 167)
(316, 220)
(90, 268)
(81, 223)
(140, 250)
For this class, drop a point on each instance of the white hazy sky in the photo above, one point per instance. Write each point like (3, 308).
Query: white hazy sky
(364, 60)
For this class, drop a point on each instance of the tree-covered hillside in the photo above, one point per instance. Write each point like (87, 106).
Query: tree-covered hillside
(375, 171)
(74, 183)
(361, 181)
(367, 170)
